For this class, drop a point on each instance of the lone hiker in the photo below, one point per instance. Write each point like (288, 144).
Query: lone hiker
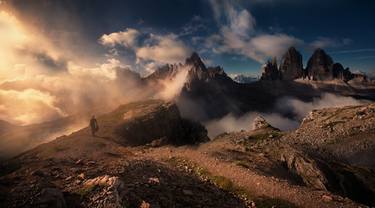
(94, 125)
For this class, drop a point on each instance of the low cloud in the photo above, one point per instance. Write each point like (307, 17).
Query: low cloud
(171, 87)
(300, 109)
(231, 123)
(286, 116)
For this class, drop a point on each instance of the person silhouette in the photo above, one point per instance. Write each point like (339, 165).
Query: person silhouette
(94, 125)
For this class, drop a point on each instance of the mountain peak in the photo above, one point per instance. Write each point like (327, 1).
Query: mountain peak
(195, 60)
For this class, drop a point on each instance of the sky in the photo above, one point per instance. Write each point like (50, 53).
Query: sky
(238, 35)
(62, 57)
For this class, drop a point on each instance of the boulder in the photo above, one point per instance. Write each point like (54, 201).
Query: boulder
(260, 123)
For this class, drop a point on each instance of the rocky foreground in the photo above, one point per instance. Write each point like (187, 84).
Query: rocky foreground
(146, 155)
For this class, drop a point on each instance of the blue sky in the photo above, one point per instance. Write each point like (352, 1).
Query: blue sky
(236, 34)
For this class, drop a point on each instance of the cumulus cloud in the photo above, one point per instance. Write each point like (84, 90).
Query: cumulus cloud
(150, 51)
(273, 45)
(238, 35)
(127, 38)
(167, 49)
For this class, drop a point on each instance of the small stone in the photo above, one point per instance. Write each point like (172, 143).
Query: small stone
(144, 205)
(68, 178)
(81, 176)
(154, 180)
(327, 198)
(79, 162)
(252, 204)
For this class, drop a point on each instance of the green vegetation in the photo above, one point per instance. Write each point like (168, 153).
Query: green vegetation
(84, 191)
(227, 185)
(332, 124)
(242, 163)
(59, 148)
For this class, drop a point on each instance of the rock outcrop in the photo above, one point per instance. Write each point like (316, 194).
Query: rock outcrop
(260, 123)
(197, 71)
(320, 65)
(270, 70)
(291, 66)
(143, 122)
(110, 188)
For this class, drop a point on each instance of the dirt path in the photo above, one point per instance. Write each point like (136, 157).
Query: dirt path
(257, 184)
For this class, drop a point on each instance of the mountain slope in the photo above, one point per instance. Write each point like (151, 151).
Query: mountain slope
(242, 169)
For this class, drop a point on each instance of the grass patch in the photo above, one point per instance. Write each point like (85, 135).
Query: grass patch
(241, 163)
(226, 184)
(59, 148)
(219, 181)
(332, 124)
(84, 191)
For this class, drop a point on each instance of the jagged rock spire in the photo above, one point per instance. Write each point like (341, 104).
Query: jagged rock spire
(319, 66)
(196, 61)
(291, 66)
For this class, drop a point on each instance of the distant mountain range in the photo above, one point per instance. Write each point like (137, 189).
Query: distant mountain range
(320, 67)
(240, 78)
(215, 94)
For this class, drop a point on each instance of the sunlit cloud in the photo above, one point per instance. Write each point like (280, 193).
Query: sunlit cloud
(126, 38)
(238, 34)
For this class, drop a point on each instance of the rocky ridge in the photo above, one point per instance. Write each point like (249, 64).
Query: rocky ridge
(320, 67)
(263, 167)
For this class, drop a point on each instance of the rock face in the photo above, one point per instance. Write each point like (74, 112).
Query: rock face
(342, 140)
(197, 71)
(109, 195)
(260, 123)
(143, 122)
(270, 70)
(347, 133)
(305, 167)
(319, 66)
(291, 65)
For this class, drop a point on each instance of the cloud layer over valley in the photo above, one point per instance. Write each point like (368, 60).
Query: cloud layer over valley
(287, 115)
